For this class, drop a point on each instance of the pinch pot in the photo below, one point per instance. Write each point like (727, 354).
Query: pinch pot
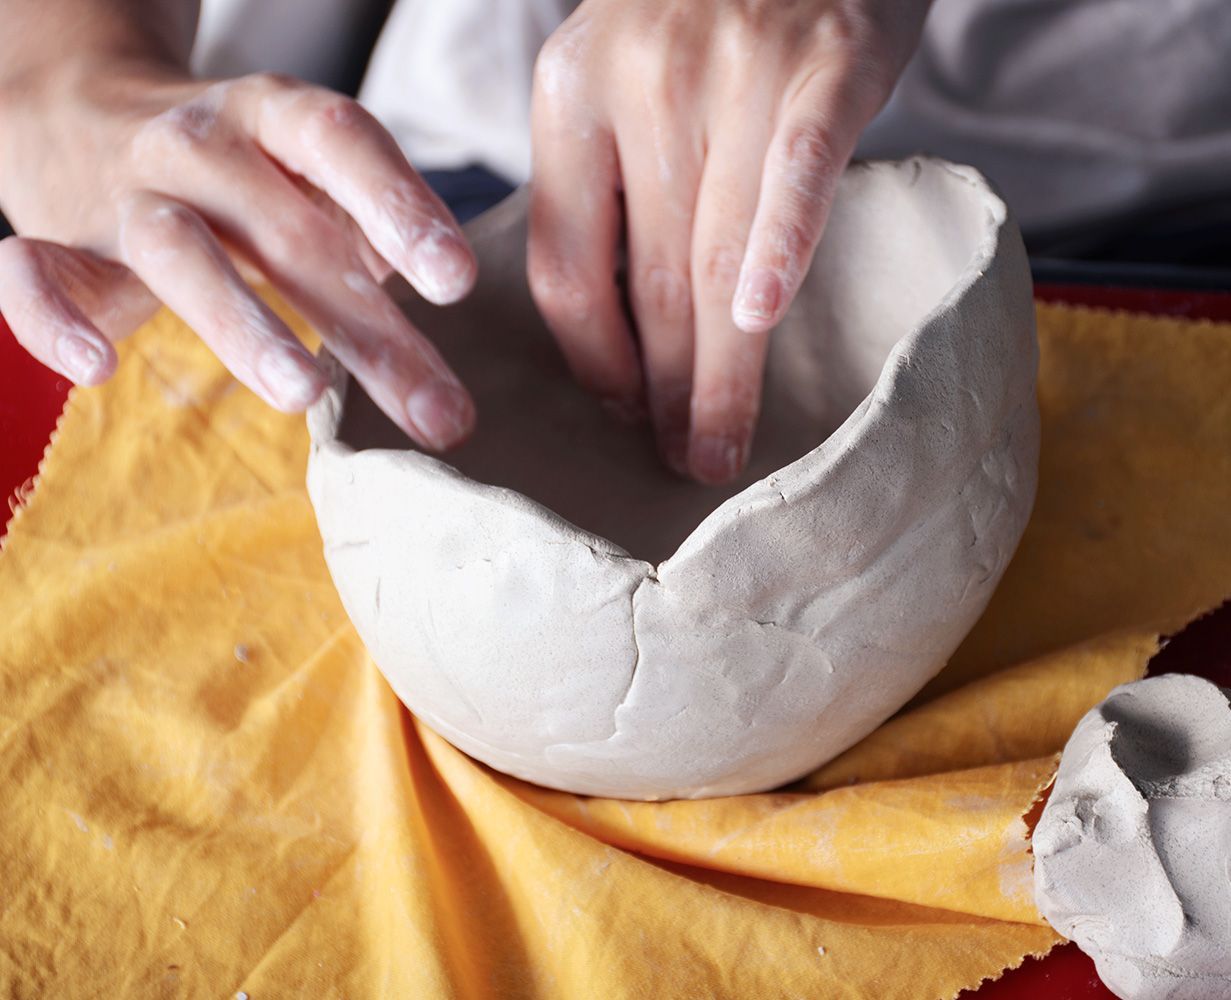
(556, 603)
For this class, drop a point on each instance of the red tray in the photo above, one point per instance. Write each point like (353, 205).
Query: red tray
(31, 398)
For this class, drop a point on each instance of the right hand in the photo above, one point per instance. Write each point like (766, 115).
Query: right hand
(133, 186)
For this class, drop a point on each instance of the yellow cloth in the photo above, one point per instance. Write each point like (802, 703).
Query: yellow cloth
(208, 788)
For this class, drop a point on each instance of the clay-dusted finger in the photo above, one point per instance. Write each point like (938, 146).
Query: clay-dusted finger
(340, 148)
(575, 223)
(172, 250)
(809, 150)
(312, 260)
(45, 319)
(256, 206)
(729, 363)
(661, 167)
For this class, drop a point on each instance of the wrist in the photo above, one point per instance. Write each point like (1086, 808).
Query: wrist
(51, 48)
(57, 109)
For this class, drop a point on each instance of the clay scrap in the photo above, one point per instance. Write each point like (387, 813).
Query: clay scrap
(1133, 850)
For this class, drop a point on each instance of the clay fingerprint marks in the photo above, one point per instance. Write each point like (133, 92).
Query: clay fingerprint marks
(1131, 851)
(449, 562)
(736, 708)
(1007, 495)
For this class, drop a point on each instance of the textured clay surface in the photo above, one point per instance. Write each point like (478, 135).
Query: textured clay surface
(1133, 851)
(557, 604)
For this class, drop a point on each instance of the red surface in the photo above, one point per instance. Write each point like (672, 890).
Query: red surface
(1160, 302)
(31, 398)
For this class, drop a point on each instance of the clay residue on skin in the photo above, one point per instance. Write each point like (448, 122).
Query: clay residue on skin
(1132, 853)
(559, 69)
(360, 284)
(186, 124)
(424, 243)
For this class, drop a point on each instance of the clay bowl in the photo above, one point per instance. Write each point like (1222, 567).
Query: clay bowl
(555, 603)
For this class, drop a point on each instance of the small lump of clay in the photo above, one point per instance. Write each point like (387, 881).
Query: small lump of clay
(1133, 851)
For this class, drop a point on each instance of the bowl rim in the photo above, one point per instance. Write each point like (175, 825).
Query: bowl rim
(324, 417)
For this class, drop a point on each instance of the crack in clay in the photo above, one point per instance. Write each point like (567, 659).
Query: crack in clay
(632, 674)
(347, 546)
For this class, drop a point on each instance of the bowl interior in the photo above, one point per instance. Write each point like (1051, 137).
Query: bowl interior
(899, 238)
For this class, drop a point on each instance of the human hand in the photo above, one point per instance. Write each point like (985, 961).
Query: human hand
(708, 138)
(128, 185)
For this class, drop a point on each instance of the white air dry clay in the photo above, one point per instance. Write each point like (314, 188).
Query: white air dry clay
(557, 604)
(1132, 855)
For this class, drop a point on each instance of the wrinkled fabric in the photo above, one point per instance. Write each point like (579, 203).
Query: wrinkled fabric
(208, 787)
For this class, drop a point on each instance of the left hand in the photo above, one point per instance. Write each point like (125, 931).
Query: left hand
(725, 125)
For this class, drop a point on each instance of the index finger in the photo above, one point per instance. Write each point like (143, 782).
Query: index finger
(334, 143)
(805, 159)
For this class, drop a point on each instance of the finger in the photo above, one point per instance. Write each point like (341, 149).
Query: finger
(377, 266)
(346, 153)
(311, 259)
(806, 157)
(575, 222)
(726, 394)
(108, 294)
(172, 250)
(661, 167)
(45, 319)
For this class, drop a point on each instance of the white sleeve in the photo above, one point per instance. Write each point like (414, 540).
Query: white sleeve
(451, 80)
(310, 39)
(1080, 113)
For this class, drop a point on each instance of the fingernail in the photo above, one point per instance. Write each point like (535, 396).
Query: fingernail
(626, 409)
(80, 359)
(443, 267)
(715, 459)
(442, 413)
(292, 379)
(757, 299)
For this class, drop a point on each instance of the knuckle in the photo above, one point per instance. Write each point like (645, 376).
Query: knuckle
(810, 164)
(153, 226)
(663, 60)
(189, 125)
(192, 129)
(790, 241)
(670, 396)
(284, 240)
(267, 82)
(844, 26)
(720, 265)
(809, 147)
(739, 43)
(560, 292)
(865, 52)
(560, 63)
(730, 400)
(168, 220)
(334, 112)
(649, 46)
(663, 292)
(185, 127)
